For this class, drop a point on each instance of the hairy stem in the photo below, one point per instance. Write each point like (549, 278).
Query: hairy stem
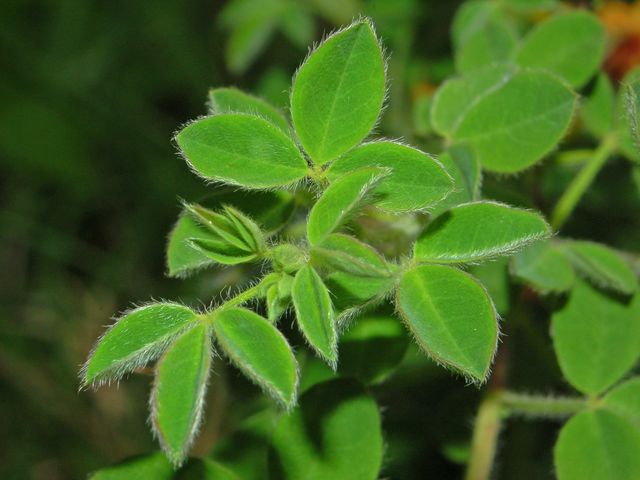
(485, 438)
(541, 406)
(242, 297)
(581, 183)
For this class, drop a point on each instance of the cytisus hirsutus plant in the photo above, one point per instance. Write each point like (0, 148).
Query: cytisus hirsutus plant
(348, 229)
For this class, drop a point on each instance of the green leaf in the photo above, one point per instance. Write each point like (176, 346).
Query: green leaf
(451, 317)
(493, 39)
(495, 278)
(225, 231)
(242, 150)
(597, 445)
(232, 100)
(250, 33)
(372, 348)
(288, 258)
(416, 181)
(204, 469)
(334, 434)
(531, 6)
(463, 166)
(315, 315)
(471, 17)
(270, 209)
(631, 89)
(421, 115)
(570, 44)
(344, 253)
(340, 200)
(596, 338)
(136, 338)
(598, 108)
(298, 24)
(627, 139)
(246, 228)
(624, 401)
(456, 96)
(152, 466)
(277, 294)
(177, 400)
(182, 257)
(518, 122)
(245, 448)
(354, 292)
(543, 267)
(221, 252)
(601, 265)
(276, 303)
(479, 231)
(258, 349)
(338, 92)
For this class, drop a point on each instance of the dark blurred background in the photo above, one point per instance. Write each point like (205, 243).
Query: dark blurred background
(90, 95)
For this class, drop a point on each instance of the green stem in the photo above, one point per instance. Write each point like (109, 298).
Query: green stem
(541, 406)
(581, 183)
(495, 407)
(242, 297)
(485, 438)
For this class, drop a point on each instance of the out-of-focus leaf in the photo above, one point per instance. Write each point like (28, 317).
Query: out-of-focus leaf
(514, 125)
(372, 348)
(597, 445)
(334, 434)
(232, 100)
(543, 267)
(601, 265)
(596, 338)
(598, 108)
(569, 44)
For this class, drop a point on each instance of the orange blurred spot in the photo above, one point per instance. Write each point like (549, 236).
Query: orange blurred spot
(621, 19)
(421, 89)
(622, 22)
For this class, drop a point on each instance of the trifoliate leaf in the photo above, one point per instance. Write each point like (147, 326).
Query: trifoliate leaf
(517, 123)
(596, 338)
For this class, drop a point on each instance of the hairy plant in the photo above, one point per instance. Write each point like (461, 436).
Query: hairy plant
(302, 198)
